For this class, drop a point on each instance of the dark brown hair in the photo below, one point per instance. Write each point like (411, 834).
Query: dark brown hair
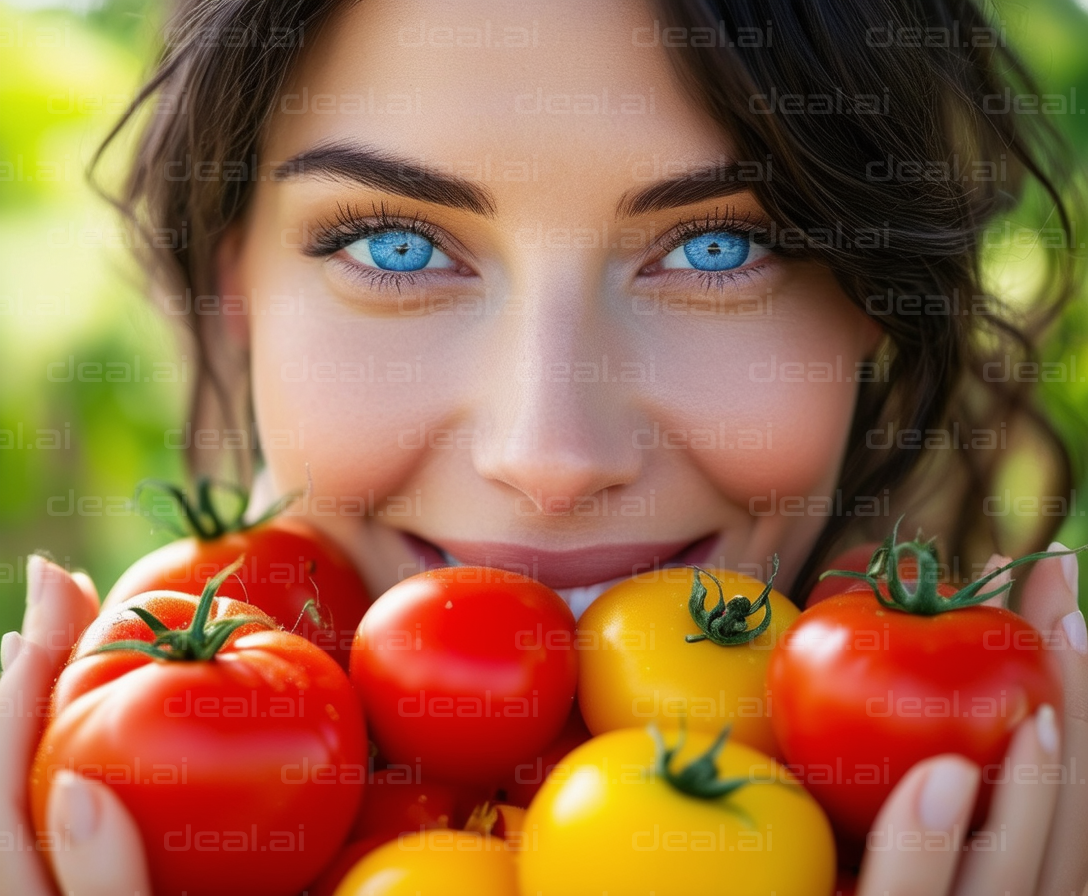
(823, 90)
(923, 149)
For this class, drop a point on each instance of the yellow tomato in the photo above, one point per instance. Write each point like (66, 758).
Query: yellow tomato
(434, 863)
(636, 667)
(612, 824)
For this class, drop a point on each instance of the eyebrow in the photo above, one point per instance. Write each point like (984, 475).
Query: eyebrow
(391, 173)
(698, 185)
(410, 178)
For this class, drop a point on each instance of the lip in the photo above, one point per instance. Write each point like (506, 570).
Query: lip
(567, 569)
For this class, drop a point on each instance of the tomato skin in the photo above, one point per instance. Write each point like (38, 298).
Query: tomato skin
(327, 882)
(286, 564)
(243, 772)
(529, 776)
(173, 609)
(636, 667)
(435, 863)
(395, 806)
(868, 692)
(465, 671)
(855, 559)
(609, 826)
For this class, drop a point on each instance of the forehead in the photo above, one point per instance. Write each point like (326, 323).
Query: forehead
(562, 88)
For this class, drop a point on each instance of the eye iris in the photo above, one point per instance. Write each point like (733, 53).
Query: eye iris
(400, 250)
(716, 251)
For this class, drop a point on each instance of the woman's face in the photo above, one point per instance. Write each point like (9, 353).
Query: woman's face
(480, 325)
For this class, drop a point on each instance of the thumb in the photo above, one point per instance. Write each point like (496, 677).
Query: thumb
(59, 606)
(98, 850)
(934, 799)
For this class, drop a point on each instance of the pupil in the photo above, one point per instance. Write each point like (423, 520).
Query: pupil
(402, 249)
(714, 249)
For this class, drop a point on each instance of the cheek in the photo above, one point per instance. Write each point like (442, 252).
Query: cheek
(354, 396)
(778, 403)
(808, 425)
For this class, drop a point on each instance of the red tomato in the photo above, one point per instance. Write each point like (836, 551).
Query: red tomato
(395, 807)
(856, 559)
(243, 769)
(397, 802)
(862, 692)
(348, 857)
(287, 563)
(465, 671)
(529, 776)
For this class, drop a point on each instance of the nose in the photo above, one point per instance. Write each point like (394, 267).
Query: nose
(560, 417)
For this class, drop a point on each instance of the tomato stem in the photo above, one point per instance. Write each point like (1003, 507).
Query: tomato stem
(699, 778)
(483, 819)
(727, 623)
(202, 516)
(924, 599)
(201, 640)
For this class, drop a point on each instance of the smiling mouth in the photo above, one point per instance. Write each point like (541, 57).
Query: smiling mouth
(579, 576)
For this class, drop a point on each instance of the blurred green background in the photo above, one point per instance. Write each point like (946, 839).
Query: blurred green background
(70, 450)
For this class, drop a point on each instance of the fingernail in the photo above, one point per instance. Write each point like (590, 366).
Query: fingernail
(10, 647)
(1069, 565)
(35, 577)
(947, 794)
(1076, 633)
(77, 806)
(1046, 729)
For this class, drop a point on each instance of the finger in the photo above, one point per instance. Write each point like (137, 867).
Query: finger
(90, 593)
(1005, 855)
(58, 608)
(24, 690)
(1050, 604)
(996, 561)
(98, 850)
(914, 846)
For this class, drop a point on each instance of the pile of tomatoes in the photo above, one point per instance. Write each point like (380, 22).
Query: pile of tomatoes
(692, 733)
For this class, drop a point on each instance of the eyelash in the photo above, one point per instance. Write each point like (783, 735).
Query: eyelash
(728, 222)
(348, 225)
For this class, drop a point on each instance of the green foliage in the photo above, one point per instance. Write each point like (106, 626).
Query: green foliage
(91, 375)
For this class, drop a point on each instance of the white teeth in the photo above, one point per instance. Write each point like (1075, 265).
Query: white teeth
(580, 597)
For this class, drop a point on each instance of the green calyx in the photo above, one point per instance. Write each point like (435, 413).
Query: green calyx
(204, 516)
(923, 599)
(699, 778)
(726, 624)
(202, 640)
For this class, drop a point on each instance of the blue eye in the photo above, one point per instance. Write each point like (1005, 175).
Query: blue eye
(715, 251)
(398, 250)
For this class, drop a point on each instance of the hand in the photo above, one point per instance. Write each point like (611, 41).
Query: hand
(99, 848)
(1033, 841)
